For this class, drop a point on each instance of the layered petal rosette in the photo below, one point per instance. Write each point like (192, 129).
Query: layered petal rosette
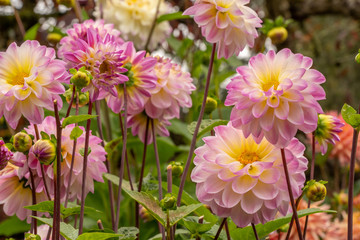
(30, 80)
(96, 158)
(138, 122)
(80, 31)
(173, 90)
(134, 19)
(5, 155)
(275, 95)
(242, 179)
(229, 23)
(142, 80)
(327, 131)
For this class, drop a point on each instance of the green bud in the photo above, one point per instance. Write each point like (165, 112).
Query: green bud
(30, 236)
(211, 105)
(44, 151)
(316, 192)
(54, 38)
(177, 168)
(5, 2)
(22, 142)
(357, 58)
(168, 202)
(81, 79)
(83, 97)
(67, 3)
(278, 35)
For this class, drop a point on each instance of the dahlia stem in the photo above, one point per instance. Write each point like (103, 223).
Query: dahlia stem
(292, 218)
(77, 10)
(201, 220)
(227, 230)
(255, 232)
(126, 156)
(73, 153)
(312, 173)
(57, 176)
(291, 194)
(193, 141)
(19, 22)
(71, 102)
(121, 174)
(37, 136)
(100, 225)
(107, 163)
(220, 228)
(137, 219)
(152, 26)
(107, 122)
(169, 178)
(351, 184)
(157, 159)
(86, 153)
(33, 194)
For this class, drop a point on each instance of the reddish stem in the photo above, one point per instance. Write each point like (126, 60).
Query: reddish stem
(220, 228)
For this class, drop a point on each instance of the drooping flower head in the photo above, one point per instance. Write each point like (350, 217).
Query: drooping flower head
(5, 155)
(102, 57)
(342, 149)
(245, 180)
(96, 158)
(275, 96)
(137, 123)
(173, 90)
(229, 23)
(15, 191)
(80, 31)
(142, 79)
(327, 131)
(134, 19)
(30, 80)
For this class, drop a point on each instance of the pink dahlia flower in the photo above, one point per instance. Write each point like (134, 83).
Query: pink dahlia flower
(275, 96)
(5, 155)
(80, 31)
(342, 149)
(242, 179)
(141, 80)
(103, 58)
(30, 79)
(15, 192)
(96, 158)
(229, 23)
(138, 121)
(327, 131)
(173, 90)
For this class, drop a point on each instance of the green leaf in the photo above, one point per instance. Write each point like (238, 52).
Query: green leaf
(84, 14)
(44, 135)
(98, 236)
(115, 179)
(74, 209)
(172, 16)
(181, 212)
(265, 229)
(32, 32)
(178, 232)
(129, 233)
(76, 119)
(350, 116)
(12, 226)
(193, 225)
(66, 230)
(46, 207)
(82, 151)
(76, 133)
(206, 126)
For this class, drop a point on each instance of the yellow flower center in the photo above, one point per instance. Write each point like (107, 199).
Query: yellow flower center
(248, 157)
(19, 79)
(270, 81)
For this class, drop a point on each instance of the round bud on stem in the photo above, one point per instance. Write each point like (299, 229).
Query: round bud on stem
(30, 236)
(278, 35)
(357, 58)
(211, 105)
(5, 155)
(81, 78)
(316, 192)
(54, 38)
(177, 168)
(45, 151)
(168, 202)
(22, 142)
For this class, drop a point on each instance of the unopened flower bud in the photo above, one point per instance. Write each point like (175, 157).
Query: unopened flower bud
(54, 38)
(30, 236)
(22, 142)
(67, 3)
(83, 97)
(211, 105)
(316, 192)
(357, 58)
(177, 168)
(278, 35)
(144, 214)
(5, 2)
(168, 202)
(81, 79)
(5, 155)
(45, 151)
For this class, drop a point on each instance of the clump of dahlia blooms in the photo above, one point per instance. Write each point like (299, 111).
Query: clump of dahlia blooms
(229, 23)
(30, 80)
(244, 179)
(275, 95)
